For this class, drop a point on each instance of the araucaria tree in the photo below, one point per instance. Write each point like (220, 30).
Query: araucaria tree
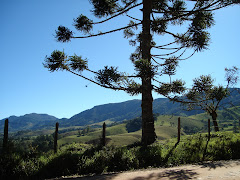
(158, 16)
(204, 95)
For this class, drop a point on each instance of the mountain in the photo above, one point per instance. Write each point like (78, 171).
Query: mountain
(125, 111)
(31, 121)
(113, 112)
(132, 109)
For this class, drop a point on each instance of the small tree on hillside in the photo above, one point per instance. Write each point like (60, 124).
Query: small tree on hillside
(157, 18)
(206, 96)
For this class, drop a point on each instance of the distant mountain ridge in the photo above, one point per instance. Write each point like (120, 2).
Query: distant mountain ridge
(31, 121)
(113, 111)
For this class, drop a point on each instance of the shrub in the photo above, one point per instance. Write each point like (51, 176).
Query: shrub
(123, 159)
(149, 156)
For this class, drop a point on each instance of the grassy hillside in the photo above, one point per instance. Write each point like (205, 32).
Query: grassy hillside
(227, 118)
(165, 127)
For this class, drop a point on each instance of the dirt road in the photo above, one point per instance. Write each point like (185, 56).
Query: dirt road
(221, 170)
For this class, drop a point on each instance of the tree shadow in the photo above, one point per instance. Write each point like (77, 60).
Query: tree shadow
(216, 164)
(94, 177)
(179, 174)
(205, 150)
(170, 152)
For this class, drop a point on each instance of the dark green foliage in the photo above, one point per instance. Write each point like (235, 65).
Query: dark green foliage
(191, 129)
(43, 143)
(134, 125)
(60, 61)
(123, 159)
(15, 166)
(55, 62)
(201, 20)
(104, 7)
(176, 87)
(158, 26)
(170, 66)
(108, 75)
(62, 165)
(150, 156)
(77, 63)
(8, 167)
(129, 32)
(63, 34)
(189, 151)
(82, 23)
(144, 68)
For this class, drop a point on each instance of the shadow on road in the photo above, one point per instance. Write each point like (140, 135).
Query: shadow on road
(171, 174)
(216, 164)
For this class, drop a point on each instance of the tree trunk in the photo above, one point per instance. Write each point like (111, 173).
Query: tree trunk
(103, 139)
(5, 136)
(179, 129)
(56, 138)
(148, 131)
(214, 118)
(209, 130)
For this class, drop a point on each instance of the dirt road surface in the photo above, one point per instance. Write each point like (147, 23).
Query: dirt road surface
(220, 170)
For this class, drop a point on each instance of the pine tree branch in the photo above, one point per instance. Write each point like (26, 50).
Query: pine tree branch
(182, 53)
(169, 53)
(165, 45)
(188, 56)
(174, 35)
(120, 13)
(91, 71)
(108, 87)
(156, 61)
(189, 13)
(133, 18)
(162, 48)
(132, 76)
(192, 11)
(100, 34)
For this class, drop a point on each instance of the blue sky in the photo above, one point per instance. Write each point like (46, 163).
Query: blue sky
(27, 29)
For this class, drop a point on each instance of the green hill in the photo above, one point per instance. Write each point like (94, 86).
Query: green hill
(114, 112)
(165, 127)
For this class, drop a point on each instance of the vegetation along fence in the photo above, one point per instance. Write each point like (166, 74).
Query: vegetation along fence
(102, 138)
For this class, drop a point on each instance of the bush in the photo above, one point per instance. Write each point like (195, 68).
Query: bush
(190, 150)
(149, 156)
(13, 166)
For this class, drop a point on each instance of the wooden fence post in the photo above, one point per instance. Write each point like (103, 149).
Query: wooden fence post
(56, 138)
(104, 134)
(209, 129)
(5, 136)
(179, 129)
